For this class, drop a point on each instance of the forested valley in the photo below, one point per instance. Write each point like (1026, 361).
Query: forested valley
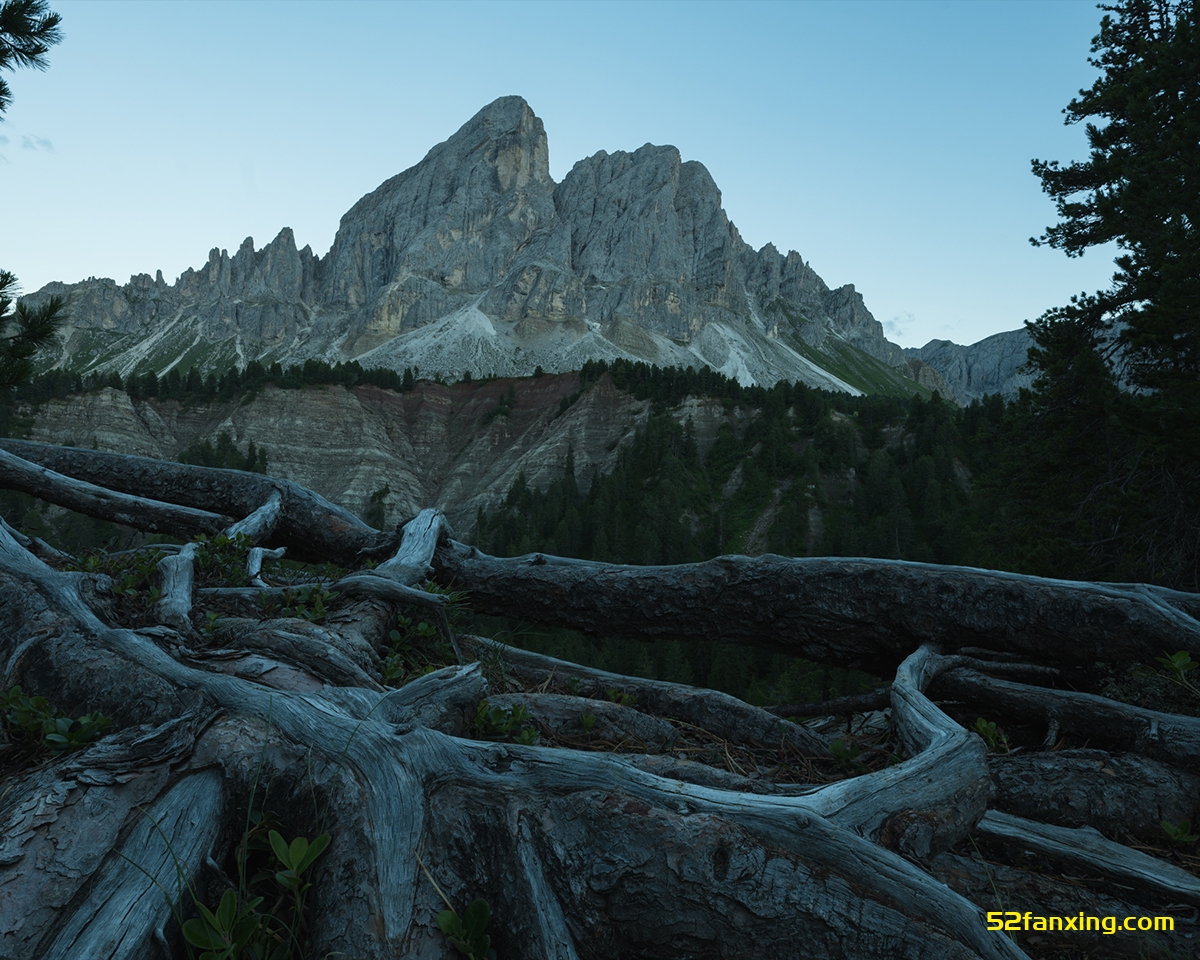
(791, 470)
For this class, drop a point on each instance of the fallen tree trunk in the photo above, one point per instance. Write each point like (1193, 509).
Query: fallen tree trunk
(313, 528)
(863, 613)
(741, 836)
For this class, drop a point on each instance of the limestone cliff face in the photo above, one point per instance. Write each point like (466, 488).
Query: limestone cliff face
(475, 259)
(929, 378)
(992, 365)
(445, 230)
(430, 447)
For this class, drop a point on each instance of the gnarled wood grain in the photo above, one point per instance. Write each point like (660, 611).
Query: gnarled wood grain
(581, 854)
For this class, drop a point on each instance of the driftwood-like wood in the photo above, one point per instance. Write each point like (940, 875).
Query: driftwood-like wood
(581, 853)
(309, 525)
(176, 578)
(877, 699)
(1099, 722)
(864, 613)
(107, 504)
(1119, 794)
(716, 712)
(1086, 847)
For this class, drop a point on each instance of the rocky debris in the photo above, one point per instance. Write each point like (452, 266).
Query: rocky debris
(929, 378)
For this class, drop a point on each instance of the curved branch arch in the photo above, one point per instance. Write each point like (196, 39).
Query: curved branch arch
(581, 853)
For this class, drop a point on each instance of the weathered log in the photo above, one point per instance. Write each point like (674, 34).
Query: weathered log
(309, 525)
(176, 577)
(254, 562)
(581, 854)
(608, 721)
(1097, 721)
(862, 613)
(1086, 847)
(717, 712)
(1003, 887)
(102, 502)
(839, 706)
(35, 545)
(1118, 794)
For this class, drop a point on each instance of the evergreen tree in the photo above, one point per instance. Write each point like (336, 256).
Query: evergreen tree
(1116, 406)
(27, 32)
(23, 331)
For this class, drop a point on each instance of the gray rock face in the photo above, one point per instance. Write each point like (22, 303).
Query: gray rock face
(445, 231)
(429, 446)
(993, 365)
(475, 259)
(929, 378)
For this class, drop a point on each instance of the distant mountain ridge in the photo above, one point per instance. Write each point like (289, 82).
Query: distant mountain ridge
(476, 260)
(992, 365)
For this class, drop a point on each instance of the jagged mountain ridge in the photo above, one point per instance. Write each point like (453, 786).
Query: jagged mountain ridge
(992, 365)
(475, 259)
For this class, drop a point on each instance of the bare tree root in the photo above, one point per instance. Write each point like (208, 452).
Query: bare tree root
(309, 525)
(864, 613)
(581, 853)
(146, 514)
(1118, 794)
(1168, 738)
(712, 710)
(1086, 847)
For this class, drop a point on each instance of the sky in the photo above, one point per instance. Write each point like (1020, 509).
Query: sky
(889, 143)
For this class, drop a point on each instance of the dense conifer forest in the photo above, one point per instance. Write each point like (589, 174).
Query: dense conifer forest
(997, 484)
(792, 470)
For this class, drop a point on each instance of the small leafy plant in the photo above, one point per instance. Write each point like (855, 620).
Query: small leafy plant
(408, 633)
(270, 871)
(1179, 832)
(63, 733)
(238, 928)
(621, 698)
(222, 560)
(295, 858)
(465, 933)
(1179, 665)
(416, 649)
(993, 736)
(587, 721)
(33, 723)
(500, 723)
(132, 575)
(307, 603)
(224, 933)
(846, 754)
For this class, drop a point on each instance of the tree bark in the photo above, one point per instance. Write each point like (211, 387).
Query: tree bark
(859, 613)
(583, 845)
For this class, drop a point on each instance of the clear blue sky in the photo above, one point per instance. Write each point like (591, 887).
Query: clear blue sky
(889, 143)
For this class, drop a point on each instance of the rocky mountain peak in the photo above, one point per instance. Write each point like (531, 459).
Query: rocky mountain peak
(476, 260)
(452, 223)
